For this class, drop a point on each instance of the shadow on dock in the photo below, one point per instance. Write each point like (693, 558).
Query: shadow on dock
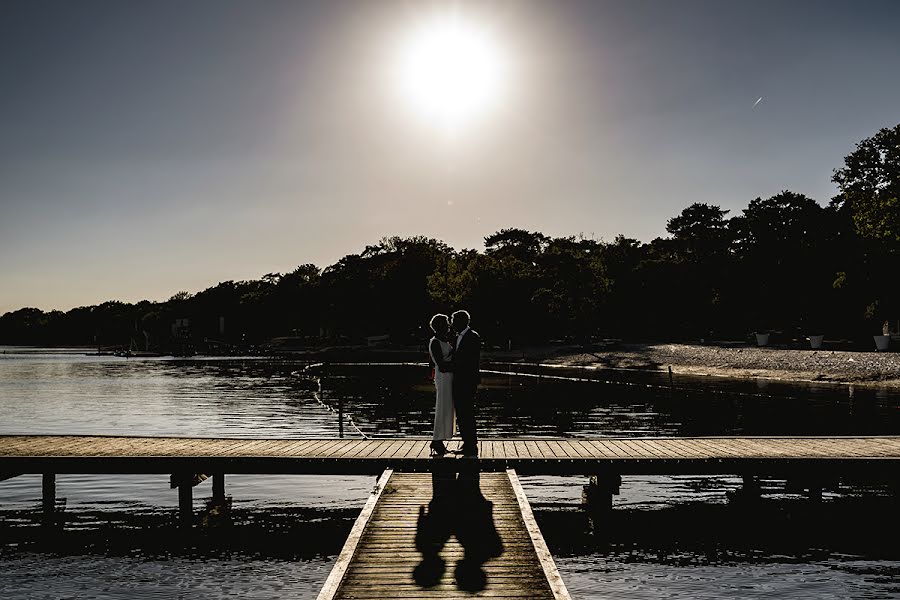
(457, 507)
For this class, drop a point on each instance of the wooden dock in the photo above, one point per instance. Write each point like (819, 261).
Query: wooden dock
(453, 526)
(445, 535)
(571, 456)
(605, 460)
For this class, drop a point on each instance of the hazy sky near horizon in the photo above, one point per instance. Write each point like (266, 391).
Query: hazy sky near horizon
(150, 147)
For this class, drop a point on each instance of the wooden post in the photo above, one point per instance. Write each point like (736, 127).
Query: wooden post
(218, 487)
(185, 501)
(340, 416)
(598, 493)
(48, 492)
(749, 492)
(671, 379)
(815, 493)
(750, 485)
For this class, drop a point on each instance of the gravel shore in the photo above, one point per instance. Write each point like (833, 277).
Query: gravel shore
(729, 361)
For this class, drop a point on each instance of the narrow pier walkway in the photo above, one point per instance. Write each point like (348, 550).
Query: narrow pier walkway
(445, 536)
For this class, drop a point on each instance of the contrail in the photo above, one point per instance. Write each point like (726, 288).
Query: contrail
(757, 102)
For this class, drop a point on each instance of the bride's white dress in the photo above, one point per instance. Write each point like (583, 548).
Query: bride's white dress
(444, 415)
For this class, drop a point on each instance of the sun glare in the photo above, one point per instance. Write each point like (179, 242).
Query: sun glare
(451, 72)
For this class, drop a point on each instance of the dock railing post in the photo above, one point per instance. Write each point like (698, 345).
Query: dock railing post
(48, 492)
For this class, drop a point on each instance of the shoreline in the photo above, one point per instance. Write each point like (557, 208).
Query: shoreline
(737, 361)
(783, 364)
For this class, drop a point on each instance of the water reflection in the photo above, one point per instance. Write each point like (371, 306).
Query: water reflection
(246, 398)
(618, 406)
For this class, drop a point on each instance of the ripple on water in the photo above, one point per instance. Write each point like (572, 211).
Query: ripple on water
(38, 576)
(593, 576)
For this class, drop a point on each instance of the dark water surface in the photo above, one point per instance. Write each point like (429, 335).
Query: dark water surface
(669, 537)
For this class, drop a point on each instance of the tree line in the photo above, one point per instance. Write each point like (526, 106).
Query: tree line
(784, 264)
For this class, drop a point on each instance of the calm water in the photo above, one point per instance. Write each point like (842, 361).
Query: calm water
(670, 537)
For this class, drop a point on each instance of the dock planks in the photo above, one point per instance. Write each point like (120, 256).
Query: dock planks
(445, 535)
(660, 455)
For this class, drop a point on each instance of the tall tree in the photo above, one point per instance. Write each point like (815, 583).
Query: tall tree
(516, 243)
(870, 183)
(700, 231)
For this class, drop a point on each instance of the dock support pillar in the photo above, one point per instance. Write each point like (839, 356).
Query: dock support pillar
(218, 487)
(815, 493)
(48, 492)
(749, 492)
(598, 493)
(750, 486)
(185, 502)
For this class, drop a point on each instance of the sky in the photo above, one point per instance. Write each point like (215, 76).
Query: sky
(152, 147)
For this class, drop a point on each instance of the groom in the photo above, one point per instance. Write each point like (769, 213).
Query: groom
(466, 377)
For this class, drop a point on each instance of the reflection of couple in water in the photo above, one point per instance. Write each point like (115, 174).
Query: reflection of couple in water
(455, 353)
(457, 508)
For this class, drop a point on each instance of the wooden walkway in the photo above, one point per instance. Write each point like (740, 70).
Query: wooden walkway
(773, 455)
(445, 536)
(475, 534)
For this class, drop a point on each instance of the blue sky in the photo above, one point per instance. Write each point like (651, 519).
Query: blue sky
(147, 147)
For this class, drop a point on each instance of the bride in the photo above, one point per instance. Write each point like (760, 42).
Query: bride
(441, 351)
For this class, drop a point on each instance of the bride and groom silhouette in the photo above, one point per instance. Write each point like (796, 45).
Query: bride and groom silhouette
(458, 507)
(455, 353)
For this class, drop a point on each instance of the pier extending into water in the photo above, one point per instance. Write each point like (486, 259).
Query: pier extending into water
(445, 535)
(426, 512)
(815, 459)
(570, 456)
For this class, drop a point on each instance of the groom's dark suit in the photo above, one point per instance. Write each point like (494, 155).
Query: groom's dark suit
(466, 377)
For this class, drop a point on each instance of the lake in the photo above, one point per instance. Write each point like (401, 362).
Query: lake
(668, 537)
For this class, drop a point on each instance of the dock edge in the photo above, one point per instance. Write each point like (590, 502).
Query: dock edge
(560, 592)
(336, 577)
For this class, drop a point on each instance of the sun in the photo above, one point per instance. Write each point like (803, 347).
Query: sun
(451, 72)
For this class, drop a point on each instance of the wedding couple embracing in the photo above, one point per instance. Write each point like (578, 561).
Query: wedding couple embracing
(455, 353)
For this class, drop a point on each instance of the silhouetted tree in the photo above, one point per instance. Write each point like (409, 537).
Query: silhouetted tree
(784, 263)
(870, 183)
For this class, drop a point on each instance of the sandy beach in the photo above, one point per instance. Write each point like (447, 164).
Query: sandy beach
(729, 361)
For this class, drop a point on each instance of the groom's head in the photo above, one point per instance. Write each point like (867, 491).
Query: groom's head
(459, 320)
